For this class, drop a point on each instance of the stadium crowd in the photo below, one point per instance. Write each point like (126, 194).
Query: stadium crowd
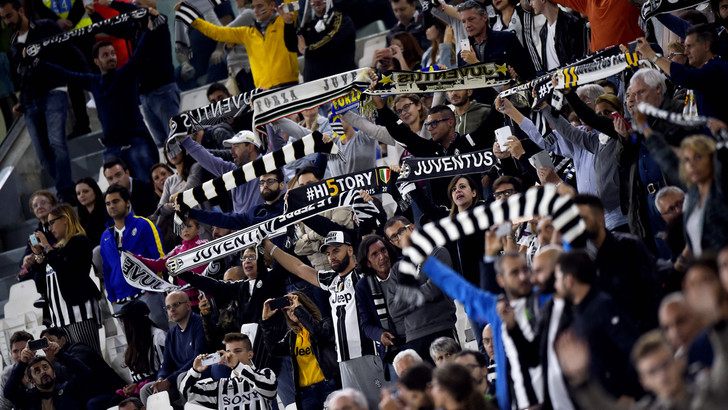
(327, 313)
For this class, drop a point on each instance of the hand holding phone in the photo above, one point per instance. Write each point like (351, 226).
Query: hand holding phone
(465, 44)
(501, 135)
(291, 7)
(279, 303)
(33, 240)
(210, 359)
(617, 115)
(38, 344)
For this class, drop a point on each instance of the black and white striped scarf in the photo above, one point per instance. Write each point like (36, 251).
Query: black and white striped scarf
(32, 50)
(462, 78)
(189, 11)
(541, 201)
(307, 145)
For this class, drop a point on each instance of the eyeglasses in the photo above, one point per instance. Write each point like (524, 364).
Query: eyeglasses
(503, 194)
(395, 236)
(174, 305)
(403, 109)
(434, 123)
(269, 182)
(675, 208)
(52, 221)
(244, 258)
(671, 55)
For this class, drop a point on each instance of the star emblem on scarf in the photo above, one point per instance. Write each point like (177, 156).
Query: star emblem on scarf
(501, 68)
(386, 79)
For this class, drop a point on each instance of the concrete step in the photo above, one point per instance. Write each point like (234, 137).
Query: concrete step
(85, 144)
(87, 165)
(8, 270)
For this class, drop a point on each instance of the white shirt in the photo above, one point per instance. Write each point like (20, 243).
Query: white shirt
(552, 59)
(694, 228)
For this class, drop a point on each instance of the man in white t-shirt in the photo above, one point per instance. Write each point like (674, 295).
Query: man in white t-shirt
(360, 368)
(562, 37)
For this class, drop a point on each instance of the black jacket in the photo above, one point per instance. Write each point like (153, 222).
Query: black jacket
(68, 395)
(329, 52)
(569, 38)
(31, 83)
(610, 334)
(142, 198)
(323, 344)
(105, 380)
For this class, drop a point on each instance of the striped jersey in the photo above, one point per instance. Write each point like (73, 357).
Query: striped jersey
(62, 314)
(246, 389)
(350, 340)
(156, 354)
(525, 382)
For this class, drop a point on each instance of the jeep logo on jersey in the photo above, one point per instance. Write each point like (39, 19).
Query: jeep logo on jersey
(343, 299)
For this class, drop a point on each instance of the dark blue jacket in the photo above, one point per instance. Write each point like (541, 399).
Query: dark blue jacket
(181, 348)
(710, 83)
(69, 395)
(116, 95)
(504, 47)
(140, 238)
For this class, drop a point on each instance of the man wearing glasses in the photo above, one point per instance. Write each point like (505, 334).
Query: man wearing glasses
(271, 190)
(436, 317)
(184, 342)
(669, 202)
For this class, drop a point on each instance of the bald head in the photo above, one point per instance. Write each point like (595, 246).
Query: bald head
(178, 307)
(234, 274)
(543, 266)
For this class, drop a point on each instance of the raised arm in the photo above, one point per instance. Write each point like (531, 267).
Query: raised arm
(372, 130)
(291, 263)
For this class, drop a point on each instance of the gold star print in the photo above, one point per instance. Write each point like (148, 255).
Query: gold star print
(386, 79)
(501, 68)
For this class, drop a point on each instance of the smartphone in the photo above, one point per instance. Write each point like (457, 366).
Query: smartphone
(618, 115)
(291, 7)
(465, 44)
(503, 229)
(38, 344)
(33, 239)
(541, 159)
(210, 359)
(502, 134)
(279, 303)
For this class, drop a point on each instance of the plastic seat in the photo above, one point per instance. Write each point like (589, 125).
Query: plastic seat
(159, 401)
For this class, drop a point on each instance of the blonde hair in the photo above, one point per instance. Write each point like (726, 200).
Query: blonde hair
(701, 145)
(74, 225)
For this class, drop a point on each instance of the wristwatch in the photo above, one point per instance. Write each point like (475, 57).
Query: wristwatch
(654, 59)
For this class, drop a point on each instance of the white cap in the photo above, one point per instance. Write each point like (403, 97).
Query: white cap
(243, 136)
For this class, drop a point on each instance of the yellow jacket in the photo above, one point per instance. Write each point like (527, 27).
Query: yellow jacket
(270, 61)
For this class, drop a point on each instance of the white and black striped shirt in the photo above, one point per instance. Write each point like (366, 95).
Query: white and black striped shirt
(156, 354)
(526, 383)
(63, 314)
(350, 341)
(246, 389)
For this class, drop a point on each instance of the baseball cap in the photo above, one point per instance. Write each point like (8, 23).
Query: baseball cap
(335, 238)
(133, 307)
(243, 136)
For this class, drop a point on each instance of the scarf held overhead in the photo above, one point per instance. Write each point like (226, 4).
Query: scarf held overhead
(253, 235)
(32, 50)
(374, 181)
(418, 169)
(596, 70)
(463, 78)
(307, 145)
(535, 202)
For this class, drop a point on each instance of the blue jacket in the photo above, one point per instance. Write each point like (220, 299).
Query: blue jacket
(480, 305)
(140, 238)
(710, 83)
(181, 348)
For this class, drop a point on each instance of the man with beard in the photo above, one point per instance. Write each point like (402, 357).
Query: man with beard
(626, 269)
(47, 394)
(271, 190)
(477, 363)
(245, 146)
(468, 114)
(555, 316)
(360, 368)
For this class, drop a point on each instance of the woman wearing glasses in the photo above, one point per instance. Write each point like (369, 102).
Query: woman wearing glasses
(309, 341)
(72, 297)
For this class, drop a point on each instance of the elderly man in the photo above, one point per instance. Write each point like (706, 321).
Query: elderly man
(683, 329)
(669, 202)
(185, 341)
(707, 74)
(346, 399)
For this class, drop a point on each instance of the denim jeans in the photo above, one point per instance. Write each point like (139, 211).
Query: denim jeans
(45, 118)
(314, 396)
(138, 155)
(159, 106)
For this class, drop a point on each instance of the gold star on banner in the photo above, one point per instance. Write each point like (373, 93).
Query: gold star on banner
(386, 79)
(501, 68)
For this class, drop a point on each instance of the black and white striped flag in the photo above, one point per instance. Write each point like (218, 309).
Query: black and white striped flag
(307, 145)
(541, 201)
